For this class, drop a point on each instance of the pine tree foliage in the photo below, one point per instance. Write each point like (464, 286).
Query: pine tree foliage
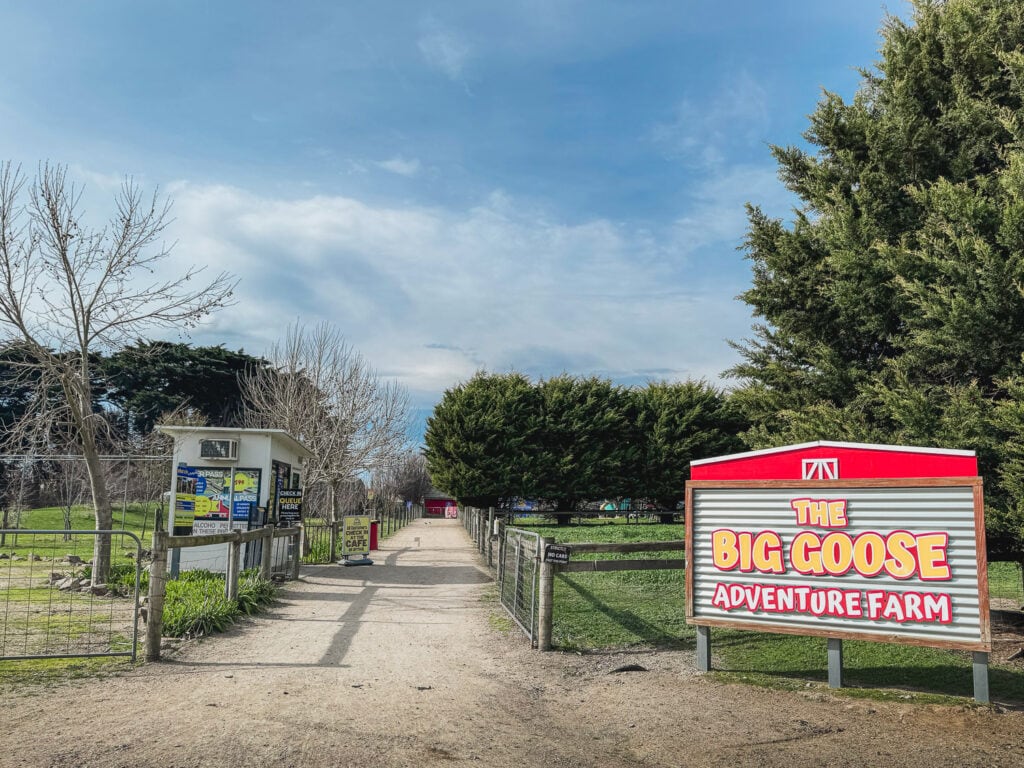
(569, 440)
(891, 306)
(481, 440)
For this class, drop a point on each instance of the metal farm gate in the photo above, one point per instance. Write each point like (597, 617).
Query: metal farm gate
(49, 607)
(517, 578)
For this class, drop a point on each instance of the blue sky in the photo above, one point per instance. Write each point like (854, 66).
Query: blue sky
(534, 185)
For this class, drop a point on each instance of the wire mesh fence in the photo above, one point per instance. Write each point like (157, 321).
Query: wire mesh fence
(319, 542)
(517, 583)
(322, 538)
(1006, 586)
(392, 516)
(49, 605)
(285, 552)
(479, 524)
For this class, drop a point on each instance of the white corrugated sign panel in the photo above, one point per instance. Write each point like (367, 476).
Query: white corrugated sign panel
(883, 510)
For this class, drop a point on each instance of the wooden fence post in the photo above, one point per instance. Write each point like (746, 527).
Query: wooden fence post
(333, 542)
(157, 591)
(234, 568)
(267, 553)
(545, 597)
(489, 538)
(295, 560)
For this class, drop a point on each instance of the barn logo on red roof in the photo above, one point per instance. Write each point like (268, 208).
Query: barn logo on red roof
(820, 469)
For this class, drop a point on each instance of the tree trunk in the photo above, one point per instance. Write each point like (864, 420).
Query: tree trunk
(101, 505)
(66, 510)
(80, 397)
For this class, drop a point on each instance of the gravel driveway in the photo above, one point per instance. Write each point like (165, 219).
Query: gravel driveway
(397, 664)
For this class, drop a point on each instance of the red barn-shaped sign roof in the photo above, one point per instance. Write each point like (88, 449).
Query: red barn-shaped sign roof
(825, 460)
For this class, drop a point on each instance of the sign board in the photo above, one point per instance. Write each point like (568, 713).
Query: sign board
(207, 527)
(888, 559)
(289, 507)
(829, 460)
(355, 536)
(244, 493)
(555, 553)
(213, 493)
(185, 495)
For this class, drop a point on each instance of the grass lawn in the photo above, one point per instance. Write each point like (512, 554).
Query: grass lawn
(647, 608)
(134, 519)
(1004, 582)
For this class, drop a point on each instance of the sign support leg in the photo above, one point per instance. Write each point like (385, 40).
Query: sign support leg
(981, 677)
(703, 649)
(835, 663)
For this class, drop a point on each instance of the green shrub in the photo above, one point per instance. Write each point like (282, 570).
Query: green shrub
(121, 579)
(254, 592)
(195, 603)
(196, 606)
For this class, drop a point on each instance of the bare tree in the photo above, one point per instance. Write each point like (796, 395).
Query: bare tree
(70, 485)
(147, 477)
(18, 477)
(323, 392)
(406, 479)
(68, 290)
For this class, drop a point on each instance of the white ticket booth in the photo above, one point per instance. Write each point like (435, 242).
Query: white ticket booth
(224, 478)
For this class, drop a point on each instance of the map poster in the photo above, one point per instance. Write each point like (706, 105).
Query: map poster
(355, 538)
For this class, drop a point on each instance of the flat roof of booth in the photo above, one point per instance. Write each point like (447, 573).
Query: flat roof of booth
(180, 431)
(828, 460)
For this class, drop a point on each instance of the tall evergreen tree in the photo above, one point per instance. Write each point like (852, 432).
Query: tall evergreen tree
(482, 439)
(679, 423)
(153, 377)
(590, 444)
(892, 305)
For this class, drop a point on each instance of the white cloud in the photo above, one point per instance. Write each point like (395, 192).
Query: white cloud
(444, 50)
(431, 295)
(704, 134)
(401, 166)
(718, 216)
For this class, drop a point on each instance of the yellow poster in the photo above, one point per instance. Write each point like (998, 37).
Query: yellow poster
(185, 496)
(355, 537)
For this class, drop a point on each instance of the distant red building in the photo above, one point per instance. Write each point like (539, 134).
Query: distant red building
(436, 504)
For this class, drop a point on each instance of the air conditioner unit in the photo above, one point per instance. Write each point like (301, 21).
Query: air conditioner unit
(218, 449)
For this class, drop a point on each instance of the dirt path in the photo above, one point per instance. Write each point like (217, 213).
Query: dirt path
(397, 665)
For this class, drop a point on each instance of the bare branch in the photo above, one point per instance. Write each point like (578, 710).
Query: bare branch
(322, 391)
(68, 290)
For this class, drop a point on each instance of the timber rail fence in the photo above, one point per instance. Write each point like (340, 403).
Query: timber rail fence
(163, 542)
(321, 539)
(525, 572)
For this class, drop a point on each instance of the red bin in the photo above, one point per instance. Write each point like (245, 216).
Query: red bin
(374, 527)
